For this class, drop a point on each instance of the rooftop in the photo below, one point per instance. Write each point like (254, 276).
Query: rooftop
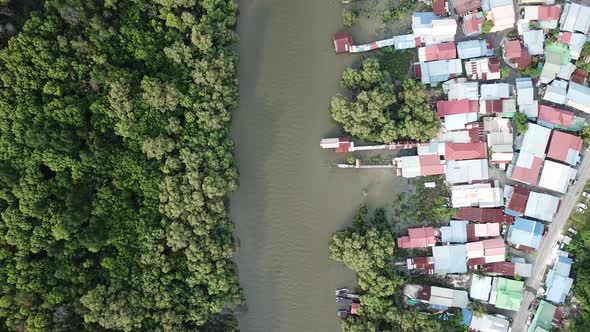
(449, 259)
(509, 294)
(450, 107)
(575, 17)
(489, 323)
(543, 317)
(565, 147)
(481, 287)
(578, 96)
(464, 6)
(556, 176)
(517, 201)
(444, 51)
(417, 238)
(555, 116)
(465, 151)
(486, 215)
(474, 49)
(473, 195)
(526, 232)
(466, 171)
(541, 206)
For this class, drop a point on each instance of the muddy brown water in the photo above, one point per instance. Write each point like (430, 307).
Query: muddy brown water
(290, 201)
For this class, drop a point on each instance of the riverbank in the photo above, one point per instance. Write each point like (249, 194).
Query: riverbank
(290, 201)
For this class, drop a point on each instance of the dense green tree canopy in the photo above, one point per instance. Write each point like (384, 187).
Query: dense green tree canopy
(377, 112)
(114, 166)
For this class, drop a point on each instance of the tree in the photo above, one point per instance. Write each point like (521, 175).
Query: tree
(586, 134)
(534, 25)
(349, 17)
(505, 72)
(375, 113)
(367, 248)
(521, 122)
(487, 26)
(115, 166)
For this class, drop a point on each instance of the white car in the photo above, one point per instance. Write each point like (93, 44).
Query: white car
(582, 206)
(580, 210)
(585, 194)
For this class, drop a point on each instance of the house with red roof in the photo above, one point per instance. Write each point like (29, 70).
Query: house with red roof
(517, 54)
(565, 148)
(464, 6)
(465, 151)
(547, 16)
(485, 215)
(579, 76)
(342, 42)
(527, 168)
(444, 51)
(417, 238)
(472, 23)
(452, 107)
(422, 165)
(439, 7)
(551, 117)
(516, 200)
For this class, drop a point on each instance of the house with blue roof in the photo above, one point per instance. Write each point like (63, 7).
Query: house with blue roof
(558, 282)
(526, 232)
(474, 49)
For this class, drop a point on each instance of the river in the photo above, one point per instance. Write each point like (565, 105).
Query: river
(290, 202)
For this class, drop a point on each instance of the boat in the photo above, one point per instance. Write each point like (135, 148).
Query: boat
(343, 300)
(342, 291)
(342, 313)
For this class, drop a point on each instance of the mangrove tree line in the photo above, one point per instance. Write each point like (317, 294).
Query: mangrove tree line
(115, 164)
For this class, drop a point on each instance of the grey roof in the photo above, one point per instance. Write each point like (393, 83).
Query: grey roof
(578, 96)
(495, 91)
(535, 140)
(575, 17)
(455, 233)
(524, 89)
(466, 171)
(541, 206)
(555, 93)
(450, 259)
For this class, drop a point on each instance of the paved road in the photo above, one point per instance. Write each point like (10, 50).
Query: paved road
(545, 254)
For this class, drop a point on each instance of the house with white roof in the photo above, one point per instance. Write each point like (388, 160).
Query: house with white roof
(466, 171)
(578, 97)
(534, 41)
(575, 17)
(541, 206)
(556, 92)
(480, 194)
(481, 287)
(495, 91)
(431, 29)
(556, 176)
(459, 88)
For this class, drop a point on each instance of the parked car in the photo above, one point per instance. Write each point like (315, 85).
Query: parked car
(575, 181)
(585, 194)
(582, 206)
(580, 210)
(573, 231)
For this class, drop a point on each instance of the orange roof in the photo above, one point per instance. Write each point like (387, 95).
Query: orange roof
(431, 165)
(450, 107)
(549, 13)
(465, 151)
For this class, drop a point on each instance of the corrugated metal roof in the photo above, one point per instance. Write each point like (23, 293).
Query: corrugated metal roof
(542, 206)
(466, 171)
(556, 176)
(526, 232)
(565, 147)
(483, 215)
(449, 259)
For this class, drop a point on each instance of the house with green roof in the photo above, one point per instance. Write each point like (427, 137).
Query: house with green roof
(508, 294)
(542, 322)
